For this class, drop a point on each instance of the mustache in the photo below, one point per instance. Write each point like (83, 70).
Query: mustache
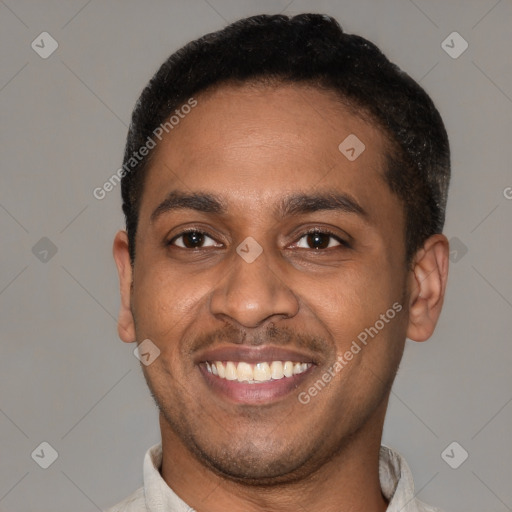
(270, 335)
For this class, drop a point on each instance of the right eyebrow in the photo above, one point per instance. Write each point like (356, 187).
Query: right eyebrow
(201, 202)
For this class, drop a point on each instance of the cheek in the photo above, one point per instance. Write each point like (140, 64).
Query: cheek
(164, 301)
(354, 300)
(359, 310)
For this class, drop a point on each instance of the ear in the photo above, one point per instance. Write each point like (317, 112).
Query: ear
(427, 284)
(125, 322)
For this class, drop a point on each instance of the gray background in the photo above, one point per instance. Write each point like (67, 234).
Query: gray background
(65, 378)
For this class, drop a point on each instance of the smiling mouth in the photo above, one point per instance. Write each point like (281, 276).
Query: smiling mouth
(255, 373)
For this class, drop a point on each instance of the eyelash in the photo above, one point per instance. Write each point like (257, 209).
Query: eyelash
(343, 243)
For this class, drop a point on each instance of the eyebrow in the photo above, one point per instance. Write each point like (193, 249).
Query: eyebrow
(308, 203)
(201, 202)
(294, 204)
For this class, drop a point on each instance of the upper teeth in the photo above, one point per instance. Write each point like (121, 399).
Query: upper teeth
(253, 373)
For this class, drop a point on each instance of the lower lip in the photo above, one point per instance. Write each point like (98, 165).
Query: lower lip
(258, 393)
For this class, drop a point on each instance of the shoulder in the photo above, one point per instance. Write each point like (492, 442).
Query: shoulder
(397, 483)
(133, 503)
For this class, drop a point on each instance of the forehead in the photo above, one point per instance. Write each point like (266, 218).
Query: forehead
(254, 143)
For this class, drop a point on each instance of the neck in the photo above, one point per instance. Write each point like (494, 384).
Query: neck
(349, 481)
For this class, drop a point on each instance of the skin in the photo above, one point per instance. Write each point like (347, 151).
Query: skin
(254, 146)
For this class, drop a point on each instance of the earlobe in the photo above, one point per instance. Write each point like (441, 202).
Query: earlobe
(125, 322)
(427, 284)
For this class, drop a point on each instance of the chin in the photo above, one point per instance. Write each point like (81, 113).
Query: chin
(251, 465)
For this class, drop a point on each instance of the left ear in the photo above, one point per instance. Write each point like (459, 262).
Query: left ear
(427, 284)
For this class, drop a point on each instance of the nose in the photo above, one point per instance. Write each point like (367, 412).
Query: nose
(251, 294)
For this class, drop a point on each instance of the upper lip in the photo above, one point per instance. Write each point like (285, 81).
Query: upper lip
(250, 354)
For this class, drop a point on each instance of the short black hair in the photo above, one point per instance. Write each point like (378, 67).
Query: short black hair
(308, 49)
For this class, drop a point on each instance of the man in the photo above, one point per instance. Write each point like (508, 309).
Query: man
(284, 187)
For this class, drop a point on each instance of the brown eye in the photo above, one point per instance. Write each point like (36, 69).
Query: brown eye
(319, 240)
(192, 240)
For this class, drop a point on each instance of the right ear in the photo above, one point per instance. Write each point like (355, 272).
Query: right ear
(125, 322)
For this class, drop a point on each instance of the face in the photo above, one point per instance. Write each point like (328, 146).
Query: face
(263, 255)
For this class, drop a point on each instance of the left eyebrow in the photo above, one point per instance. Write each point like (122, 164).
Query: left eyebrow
(309, 203)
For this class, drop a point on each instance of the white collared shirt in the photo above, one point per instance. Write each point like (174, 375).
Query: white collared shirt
(156, 496)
